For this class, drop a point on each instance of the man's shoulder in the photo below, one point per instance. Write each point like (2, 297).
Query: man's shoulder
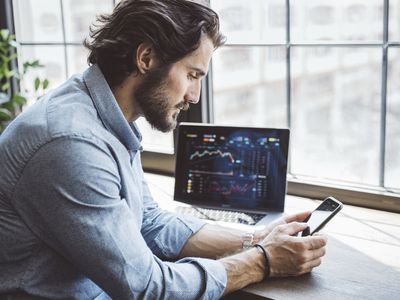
(70, 110)
(67, 111)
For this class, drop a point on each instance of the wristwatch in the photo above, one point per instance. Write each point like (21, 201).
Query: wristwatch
(248, 239)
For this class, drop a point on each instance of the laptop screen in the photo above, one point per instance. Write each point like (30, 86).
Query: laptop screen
(231, 167)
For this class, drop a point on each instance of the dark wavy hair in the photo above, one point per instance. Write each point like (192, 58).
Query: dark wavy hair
(173, 27)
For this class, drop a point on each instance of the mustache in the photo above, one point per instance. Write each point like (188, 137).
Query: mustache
(182, 105)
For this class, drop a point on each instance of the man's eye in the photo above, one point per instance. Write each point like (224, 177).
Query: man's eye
(192, 76)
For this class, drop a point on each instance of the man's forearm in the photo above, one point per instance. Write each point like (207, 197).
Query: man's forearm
(214, 241)
(287, 254)
(243, 269)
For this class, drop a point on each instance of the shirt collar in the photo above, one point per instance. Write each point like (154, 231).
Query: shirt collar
(109, 111)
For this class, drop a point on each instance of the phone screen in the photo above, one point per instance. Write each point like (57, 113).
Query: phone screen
(320, 216)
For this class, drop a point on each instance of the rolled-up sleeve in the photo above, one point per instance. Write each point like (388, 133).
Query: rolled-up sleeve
(165, 232)
(69, 196)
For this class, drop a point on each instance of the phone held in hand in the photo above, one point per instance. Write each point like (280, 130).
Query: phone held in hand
(322, 215)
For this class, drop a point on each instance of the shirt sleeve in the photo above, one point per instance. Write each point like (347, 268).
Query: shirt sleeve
(69, 196)
(166, 233)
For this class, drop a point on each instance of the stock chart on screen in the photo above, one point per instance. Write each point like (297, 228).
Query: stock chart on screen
(231, 165)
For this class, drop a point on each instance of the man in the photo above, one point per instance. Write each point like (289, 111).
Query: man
(77, 220)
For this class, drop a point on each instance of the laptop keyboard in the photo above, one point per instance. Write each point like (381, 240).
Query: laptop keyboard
(221, 215)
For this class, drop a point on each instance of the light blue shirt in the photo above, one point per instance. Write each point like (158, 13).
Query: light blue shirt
(77, 220)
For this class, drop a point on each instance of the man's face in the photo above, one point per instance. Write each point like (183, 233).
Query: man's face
(165, 91)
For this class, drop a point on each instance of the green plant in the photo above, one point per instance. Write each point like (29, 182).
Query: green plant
(12, 102)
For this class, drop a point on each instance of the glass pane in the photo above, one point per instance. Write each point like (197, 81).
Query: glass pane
(154, 140)
(77, 59)
(79, 15)
(336, 113)
(394, 20)
(255, 21)
(52, 57)
(392, 169)
(38, 21)
(249, 86)
(326, 20)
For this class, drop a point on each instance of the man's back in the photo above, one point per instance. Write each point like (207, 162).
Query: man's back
(67, 111)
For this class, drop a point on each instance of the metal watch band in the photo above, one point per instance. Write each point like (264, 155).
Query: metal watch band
(248, 239)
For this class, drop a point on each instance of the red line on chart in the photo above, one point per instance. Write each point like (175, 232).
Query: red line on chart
(206, 152)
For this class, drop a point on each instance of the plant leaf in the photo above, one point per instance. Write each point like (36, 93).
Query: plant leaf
(37, 83)
(20, 100)
(5, 115)
(9, 106)
(5, 59)
(5, 86)
(31, 65)
(9, 73)
(4, 33)
(45, 84)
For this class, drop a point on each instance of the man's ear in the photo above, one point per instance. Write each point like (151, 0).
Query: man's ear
(145, 57)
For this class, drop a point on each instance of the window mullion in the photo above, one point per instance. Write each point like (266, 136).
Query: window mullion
(64, 39)
(384, 94)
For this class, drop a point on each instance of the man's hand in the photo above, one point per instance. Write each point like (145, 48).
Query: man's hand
(259, 235)
(291, 255)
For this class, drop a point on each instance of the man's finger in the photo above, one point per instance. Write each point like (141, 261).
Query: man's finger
(293, 228)
(314, 254)
(315, 242)
(299, 217)
(307, 267)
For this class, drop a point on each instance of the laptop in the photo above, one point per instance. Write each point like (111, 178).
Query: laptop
(231, 174)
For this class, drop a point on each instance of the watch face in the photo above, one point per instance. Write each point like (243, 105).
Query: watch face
(248, 240)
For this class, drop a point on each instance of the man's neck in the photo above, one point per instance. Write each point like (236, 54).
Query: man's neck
(124, 94)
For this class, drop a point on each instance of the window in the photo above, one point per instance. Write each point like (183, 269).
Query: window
(330, 73)
(52, 31)
(327, 69)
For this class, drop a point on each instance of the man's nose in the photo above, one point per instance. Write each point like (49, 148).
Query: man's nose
(193, 93)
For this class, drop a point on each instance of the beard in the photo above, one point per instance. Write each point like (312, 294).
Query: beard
(154, 102)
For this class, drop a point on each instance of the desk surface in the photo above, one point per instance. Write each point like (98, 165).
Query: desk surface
(362, 260)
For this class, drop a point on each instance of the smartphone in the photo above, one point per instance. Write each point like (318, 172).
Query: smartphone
(322, 215)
